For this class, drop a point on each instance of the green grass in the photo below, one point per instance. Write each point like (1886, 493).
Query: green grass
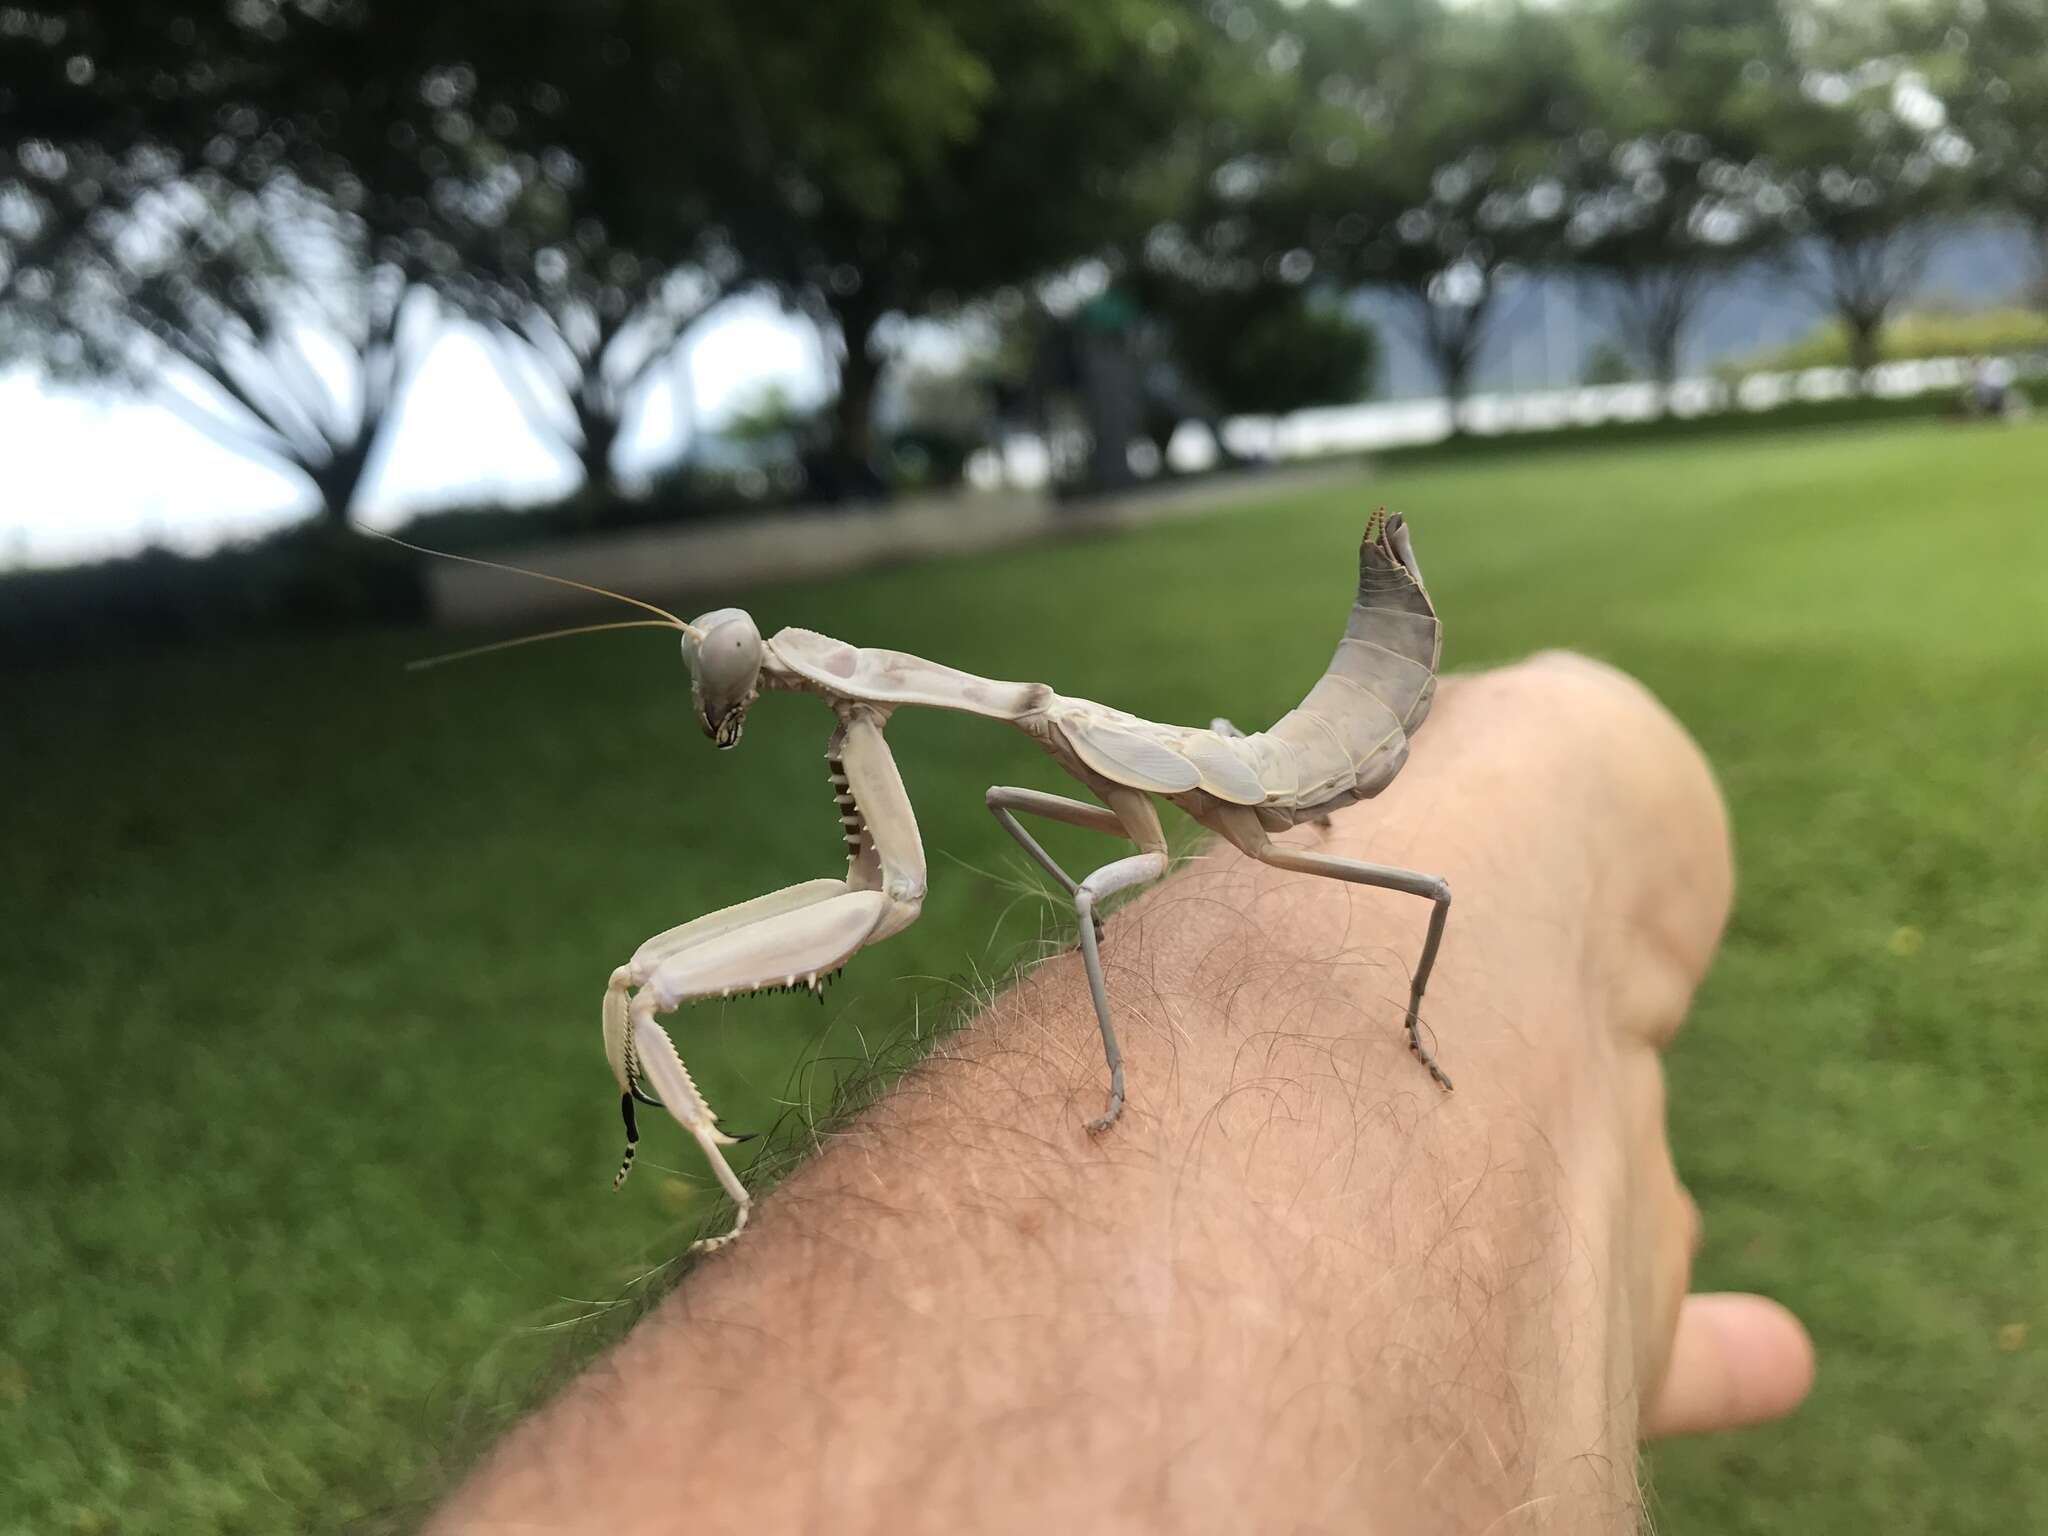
(306, 1134)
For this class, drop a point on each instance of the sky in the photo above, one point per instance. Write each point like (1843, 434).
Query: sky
(89, 472)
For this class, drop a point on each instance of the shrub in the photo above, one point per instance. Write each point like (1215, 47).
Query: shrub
(1912, 336)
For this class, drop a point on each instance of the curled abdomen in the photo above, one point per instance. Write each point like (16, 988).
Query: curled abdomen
(1349, 737)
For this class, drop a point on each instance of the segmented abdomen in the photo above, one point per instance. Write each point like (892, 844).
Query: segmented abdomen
(1349, 737)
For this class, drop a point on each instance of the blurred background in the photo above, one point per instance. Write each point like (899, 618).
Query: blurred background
(1704, 335)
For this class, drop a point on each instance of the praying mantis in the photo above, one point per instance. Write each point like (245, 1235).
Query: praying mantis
(1343, 743)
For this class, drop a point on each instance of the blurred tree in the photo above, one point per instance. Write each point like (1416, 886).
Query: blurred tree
(1431, 165)
(1998, 100)
(1606, 364)
(1043, 120)
(578, 336)
(1267, 349)
(590, 235)
(173, 192)
(565, 173)
(1862, 154)
(1665, 198)
(939, 412)
(260, 316)
(770, 416)
(687, 146)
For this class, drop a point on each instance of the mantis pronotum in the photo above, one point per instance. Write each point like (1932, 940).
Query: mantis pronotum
(1345, 742)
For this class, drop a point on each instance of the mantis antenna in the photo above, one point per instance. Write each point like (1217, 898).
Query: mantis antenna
(561, 581)
(426, 662)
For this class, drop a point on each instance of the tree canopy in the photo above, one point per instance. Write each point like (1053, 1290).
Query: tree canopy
(204, 194)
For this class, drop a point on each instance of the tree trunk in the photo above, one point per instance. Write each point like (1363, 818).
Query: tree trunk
(1663, 374)
(852, 453)
(599, 432)
(340, 477)
(1455, 371)
(1863, 332)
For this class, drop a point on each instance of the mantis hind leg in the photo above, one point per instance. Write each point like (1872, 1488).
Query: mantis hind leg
(1251, 837)
(1122, 875)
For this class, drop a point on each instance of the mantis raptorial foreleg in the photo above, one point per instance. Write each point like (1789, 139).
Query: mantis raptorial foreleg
(1246, 833)
(791, 938)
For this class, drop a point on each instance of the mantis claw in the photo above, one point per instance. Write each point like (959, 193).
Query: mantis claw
(792, 940)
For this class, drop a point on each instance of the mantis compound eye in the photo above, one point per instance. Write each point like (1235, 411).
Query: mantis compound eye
(725, 672)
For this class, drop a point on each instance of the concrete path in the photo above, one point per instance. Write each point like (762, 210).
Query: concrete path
(718, 559)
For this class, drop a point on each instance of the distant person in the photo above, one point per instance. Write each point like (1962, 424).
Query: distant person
(1992, 393)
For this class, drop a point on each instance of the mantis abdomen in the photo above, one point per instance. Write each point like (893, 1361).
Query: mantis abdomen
(1349, 737)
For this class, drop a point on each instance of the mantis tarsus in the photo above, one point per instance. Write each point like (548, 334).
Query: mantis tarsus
(1343, 743)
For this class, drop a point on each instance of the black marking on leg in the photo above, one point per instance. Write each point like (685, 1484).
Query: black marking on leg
(632, 1140)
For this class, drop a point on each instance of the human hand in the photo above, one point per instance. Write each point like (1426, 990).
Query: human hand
(1704, 1362)
(1619, 824)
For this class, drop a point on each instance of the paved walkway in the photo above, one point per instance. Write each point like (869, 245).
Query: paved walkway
(716, 559)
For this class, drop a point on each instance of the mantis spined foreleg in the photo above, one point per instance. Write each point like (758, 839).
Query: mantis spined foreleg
(795, 937)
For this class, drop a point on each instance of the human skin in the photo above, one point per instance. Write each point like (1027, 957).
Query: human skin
(1298, 1287)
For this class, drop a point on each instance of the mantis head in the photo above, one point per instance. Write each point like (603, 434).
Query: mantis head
(724, 657)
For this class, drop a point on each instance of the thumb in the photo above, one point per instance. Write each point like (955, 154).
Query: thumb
(1736, 1360)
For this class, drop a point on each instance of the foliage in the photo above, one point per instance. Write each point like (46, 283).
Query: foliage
(1271, 349)
(321, 577)
(1865, 160)
(1606, 363)
(939, 414)
(585, 177)
(1047, 167)
(768, 415)
(1792, 416)
(1429, 165)
(192, 200)
(685, 128)
(1997, 95)
(308, 578)
(1665, 197)
(1918, 333)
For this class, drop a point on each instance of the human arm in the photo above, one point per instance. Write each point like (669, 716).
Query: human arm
(1297, 1287)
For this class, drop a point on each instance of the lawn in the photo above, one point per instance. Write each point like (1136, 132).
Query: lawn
(307, 1136)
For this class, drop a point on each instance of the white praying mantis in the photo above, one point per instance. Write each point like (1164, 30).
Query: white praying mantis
(1344, 742)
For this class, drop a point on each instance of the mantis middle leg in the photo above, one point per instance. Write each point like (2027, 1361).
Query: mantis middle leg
(1246, 833)
(1129, 814)
(1003, 800)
